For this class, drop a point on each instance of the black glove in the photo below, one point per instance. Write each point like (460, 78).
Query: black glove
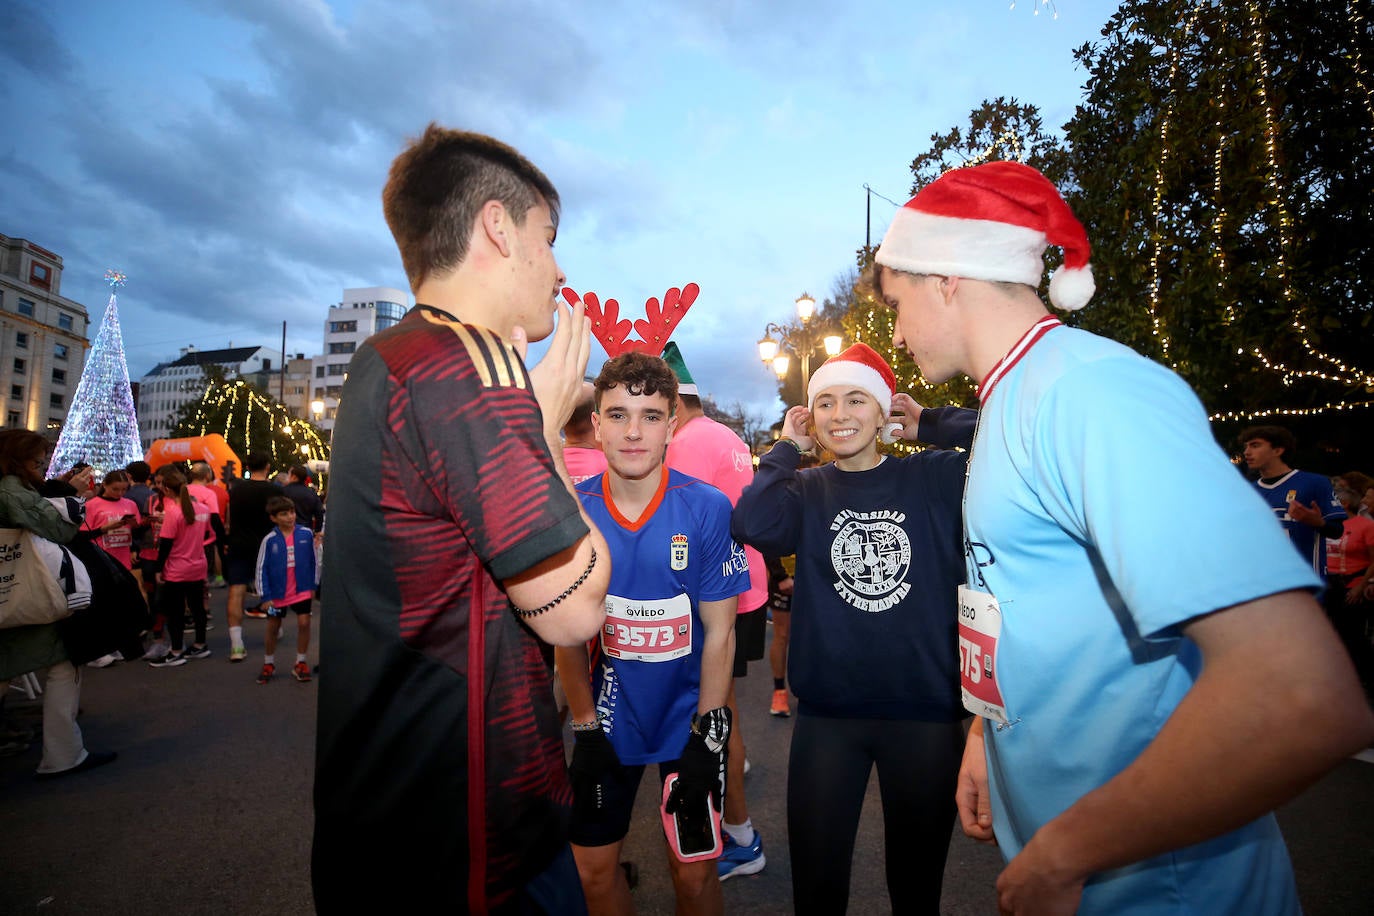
(701, 768)
(593, 761)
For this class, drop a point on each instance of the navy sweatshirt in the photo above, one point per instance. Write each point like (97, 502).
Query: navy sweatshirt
(879, 562)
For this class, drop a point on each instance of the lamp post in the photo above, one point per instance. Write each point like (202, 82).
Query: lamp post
(317, 408)
(801, 339)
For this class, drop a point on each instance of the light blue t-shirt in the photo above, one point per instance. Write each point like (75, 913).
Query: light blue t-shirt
(1102, 515)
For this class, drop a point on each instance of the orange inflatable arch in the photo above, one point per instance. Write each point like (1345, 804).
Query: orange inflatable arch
(211, 449)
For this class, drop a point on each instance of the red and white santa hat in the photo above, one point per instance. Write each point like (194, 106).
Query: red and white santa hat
(992, 222)
(859, 367)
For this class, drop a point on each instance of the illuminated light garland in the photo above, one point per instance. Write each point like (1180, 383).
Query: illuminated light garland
(1007, 137)
(1047, 4)
(1357, 61)
(1282, 220)
(1157, 327)
(236, 396)
(1290, 411)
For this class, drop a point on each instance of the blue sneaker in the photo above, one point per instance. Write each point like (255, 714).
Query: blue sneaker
(741, 860)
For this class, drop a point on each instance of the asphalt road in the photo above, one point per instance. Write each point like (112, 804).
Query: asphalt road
(207, 809)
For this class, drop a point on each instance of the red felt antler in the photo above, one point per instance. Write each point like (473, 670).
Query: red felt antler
(654, 330)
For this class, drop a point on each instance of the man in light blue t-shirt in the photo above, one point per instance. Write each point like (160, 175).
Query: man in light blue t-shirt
(1146, 692)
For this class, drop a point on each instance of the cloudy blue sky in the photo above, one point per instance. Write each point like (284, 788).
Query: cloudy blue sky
(228, 155)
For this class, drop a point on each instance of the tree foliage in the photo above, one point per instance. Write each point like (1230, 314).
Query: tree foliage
(250, 420)
(1222, 165)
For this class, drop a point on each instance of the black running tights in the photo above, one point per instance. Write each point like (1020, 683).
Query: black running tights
(827, 776)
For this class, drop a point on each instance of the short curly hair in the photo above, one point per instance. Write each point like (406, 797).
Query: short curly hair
(638, 373)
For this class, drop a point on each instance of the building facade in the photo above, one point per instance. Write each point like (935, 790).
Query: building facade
(362, 313)
(43, 338)
(163, 392)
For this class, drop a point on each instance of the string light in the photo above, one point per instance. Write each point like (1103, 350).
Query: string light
(1338, 372)
(240, 405)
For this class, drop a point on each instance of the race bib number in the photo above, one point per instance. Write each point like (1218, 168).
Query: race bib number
(980, 625)
(117, 538)
(647, 631)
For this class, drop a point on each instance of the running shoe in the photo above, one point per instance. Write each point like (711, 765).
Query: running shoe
(170, 660)
(158, 649)
(741, 860)
(238, 653)
(255, 614)
(103, 661)
(202, 652)
(265, 675)
(780, 707)
(301, 672)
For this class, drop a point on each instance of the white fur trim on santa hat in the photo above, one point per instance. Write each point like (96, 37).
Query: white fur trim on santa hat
(979, 249)
(851, 374)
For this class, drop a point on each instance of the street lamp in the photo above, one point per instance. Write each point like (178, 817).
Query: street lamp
(317, 408)
(801, 339)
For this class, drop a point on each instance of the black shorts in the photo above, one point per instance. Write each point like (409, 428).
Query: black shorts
(240, 570)
(591, 827)
(750, 629)
(300, 607)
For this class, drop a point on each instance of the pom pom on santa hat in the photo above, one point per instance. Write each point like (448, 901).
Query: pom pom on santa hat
(991, 222)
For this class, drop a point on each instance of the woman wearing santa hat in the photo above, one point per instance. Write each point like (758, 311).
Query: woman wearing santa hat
(874, 651)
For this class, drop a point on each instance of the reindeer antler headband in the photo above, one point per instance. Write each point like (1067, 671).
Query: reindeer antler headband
(654, 330)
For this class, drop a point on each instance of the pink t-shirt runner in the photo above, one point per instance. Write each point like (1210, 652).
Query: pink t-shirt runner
(711, 451)
(1352, 551)
(583, 463)
(186, 562)
(119, 541)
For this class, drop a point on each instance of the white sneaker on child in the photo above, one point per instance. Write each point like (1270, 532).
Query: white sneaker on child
(157, 650)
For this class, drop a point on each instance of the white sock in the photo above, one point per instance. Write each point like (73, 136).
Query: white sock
(236, 637)
(742, 834)
(269, 659)
(300, 658)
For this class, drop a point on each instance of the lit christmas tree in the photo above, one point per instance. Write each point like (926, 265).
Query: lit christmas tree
(102, 425)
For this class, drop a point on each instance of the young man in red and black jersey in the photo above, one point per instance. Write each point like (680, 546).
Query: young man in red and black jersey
(455, 544)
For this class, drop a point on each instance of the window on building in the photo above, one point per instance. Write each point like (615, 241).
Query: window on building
(25, 307)
(64, 321)
(342, 327)
(21, 340)
(333, 391)
(16, 392)
(319, 372)
(20, 367)
(345, 347)
(331, 412)
(337, 368)
(55, 401)
(54, 423)
(59, 351)
(59, 376)
(40, 275)
(319, 392)
(12, 418)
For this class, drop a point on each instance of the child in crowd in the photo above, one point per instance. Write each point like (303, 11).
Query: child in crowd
(180, 564)
(110, 504)
(286, 581)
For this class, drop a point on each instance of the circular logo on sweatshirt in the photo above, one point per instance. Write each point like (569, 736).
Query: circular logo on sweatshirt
(871, 555)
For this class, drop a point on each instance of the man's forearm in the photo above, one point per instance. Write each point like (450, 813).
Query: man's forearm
(575, 676)
(718, 653)
(1223, 758)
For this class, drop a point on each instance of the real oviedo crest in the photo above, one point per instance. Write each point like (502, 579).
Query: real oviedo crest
(677, 552)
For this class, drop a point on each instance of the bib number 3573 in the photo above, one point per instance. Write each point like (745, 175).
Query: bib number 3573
(658, 630)
(980, 625)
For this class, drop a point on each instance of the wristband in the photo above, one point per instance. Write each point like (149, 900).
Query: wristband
(588, 726)
(791, 442)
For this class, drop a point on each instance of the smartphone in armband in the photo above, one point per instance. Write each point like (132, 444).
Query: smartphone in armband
(694, 836)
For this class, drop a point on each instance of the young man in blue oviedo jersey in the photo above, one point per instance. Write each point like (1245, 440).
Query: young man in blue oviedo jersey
(1144, 698)
(655, 685)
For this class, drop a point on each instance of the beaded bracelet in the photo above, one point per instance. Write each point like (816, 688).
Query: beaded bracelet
(522, 613)
(588, 726)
